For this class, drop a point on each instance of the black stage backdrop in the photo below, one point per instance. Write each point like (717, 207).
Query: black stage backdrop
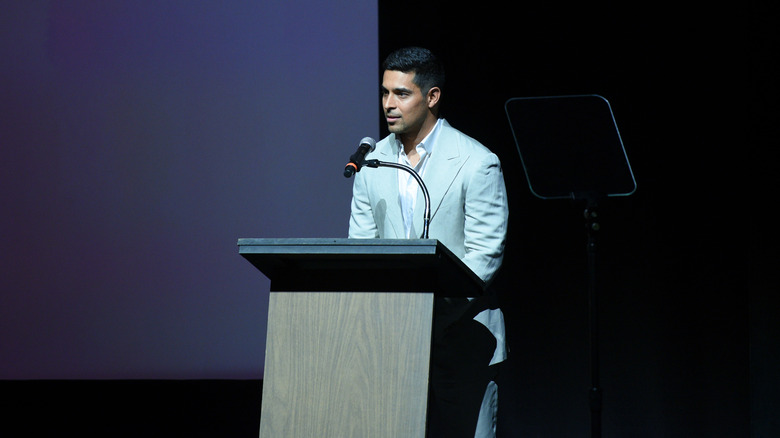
(676, 267)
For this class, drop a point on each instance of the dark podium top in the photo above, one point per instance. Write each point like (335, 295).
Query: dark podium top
(361, 265)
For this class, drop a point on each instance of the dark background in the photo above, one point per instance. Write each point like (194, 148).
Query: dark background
(687, 335)
(688, 327)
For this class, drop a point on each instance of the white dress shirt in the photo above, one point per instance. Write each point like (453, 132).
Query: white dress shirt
(407, 184)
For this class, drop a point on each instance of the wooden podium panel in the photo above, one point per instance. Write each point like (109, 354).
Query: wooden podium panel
(369, 380)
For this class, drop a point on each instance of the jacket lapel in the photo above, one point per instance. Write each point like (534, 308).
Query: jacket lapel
(388, 190)
(446, 162)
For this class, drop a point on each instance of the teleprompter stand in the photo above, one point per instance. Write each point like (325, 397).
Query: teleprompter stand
(571, 148)
(349, 333)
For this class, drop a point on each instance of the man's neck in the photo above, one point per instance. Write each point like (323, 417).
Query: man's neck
(411, 140)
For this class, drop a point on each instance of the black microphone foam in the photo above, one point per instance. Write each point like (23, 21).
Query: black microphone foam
(367, 144)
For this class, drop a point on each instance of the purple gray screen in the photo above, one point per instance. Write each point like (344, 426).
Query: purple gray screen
(140, 140)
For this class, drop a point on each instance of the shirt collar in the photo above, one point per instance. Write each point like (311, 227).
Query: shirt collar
(427, 143)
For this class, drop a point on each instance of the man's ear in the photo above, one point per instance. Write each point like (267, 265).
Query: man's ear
(434, 94)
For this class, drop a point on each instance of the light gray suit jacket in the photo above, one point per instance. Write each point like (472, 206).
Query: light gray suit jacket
(469, 208)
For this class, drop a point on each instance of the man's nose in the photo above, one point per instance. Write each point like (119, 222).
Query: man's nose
(388, 102)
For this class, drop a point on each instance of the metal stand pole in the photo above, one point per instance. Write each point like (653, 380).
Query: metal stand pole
(594, 396)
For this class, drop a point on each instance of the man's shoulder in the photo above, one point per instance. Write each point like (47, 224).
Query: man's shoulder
(465, 142)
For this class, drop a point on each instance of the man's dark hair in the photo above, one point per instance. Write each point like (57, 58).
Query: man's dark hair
(428, 70)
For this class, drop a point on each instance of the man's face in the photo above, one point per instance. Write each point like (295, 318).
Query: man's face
(403, 102)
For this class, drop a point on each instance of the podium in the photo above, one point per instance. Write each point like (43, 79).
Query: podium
(349, 333)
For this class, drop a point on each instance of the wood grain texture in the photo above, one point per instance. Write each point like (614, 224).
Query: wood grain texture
(347, 365)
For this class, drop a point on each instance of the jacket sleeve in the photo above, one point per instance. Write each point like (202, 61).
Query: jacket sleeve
(486, 216)
(361, 219)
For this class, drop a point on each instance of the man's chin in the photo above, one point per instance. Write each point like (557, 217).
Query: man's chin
(395, 128)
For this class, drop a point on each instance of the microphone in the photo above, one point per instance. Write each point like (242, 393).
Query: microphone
(404, 167)
(367, 145)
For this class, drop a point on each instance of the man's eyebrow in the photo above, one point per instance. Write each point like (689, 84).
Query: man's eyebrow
(397, 89)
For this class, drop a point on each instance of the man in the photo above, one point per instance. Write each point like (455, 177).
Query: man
(468, 215)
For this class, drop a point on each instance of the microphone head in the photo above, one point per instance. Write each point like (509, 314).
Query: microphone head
(370, 142)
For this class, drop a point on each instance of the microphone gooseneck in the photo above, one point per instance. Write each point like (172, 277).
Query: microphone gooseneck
(427, 211)
(358, 160)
